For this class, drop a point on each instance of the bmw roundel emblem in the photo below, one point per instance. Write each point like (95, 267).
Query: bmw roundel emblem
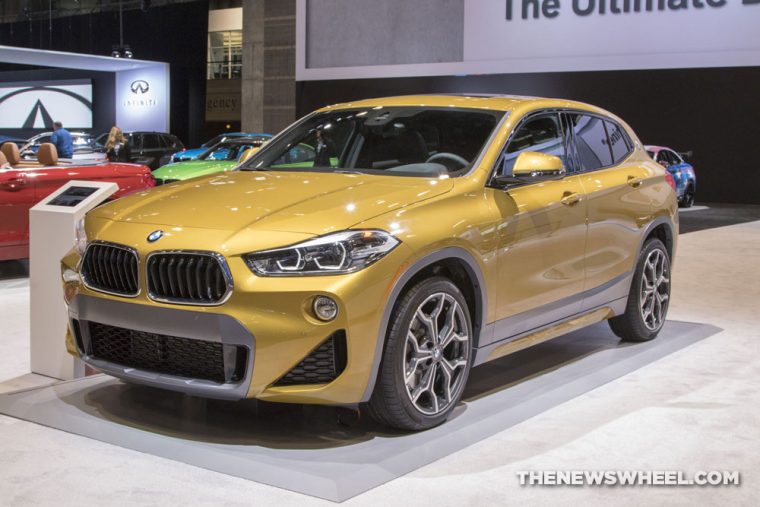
(155, 235)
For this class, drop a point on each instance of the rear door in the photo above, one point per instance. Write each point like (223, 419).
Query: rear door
(618, 204)
(152, 149)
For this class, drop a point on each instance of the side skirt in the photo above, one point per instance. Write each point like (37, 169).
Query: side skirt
(548, 332)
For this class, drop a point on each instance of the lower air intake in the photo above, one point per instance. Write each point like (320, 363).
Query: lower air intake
(183, 357)
(322, 365)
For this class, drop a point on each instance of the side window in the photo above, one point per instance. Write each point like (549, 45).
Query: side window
(540, 133)
(675, 158)
(618, 141)
(665, 158)
(151, 141)
(590, 140)
(135, 141)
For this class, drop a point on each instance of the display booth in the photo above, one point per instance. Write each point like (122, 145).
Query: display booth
(141, 98)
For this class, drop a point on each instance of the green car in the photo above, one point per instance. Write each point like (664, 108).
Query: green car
(221, 157)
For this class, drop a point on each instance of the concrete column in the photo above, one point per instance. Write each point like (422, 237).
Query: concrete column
(252, 82)
(268, 81)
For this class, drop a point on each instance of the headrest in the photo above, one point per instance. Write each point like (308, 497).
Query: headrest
(12, 155)
(3, 160)
(47, 154)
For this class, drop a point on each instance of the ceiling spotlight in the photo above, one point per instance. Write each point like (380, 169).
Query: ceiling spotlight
(121, 51)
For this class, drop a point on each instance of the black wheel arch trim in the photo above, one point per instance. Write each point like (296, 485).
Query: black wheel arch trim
(473, 270)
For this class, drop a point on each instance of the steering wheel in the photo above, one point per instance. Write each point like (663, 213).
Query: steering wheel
(449, 156)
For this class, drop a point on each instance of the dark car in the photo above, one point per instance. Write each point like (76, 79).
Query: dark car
(153, 149)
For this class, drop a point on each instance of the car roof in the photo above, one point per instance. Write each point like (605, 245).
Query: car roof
(471, 101)
(654, 148)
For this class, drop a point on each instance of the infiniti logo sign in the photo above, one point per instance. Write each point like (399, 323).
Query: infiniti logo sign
(139, 87)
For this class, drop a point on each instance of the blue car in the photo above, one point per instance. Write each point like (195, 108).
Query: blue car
(16, 140)
(184, 156)
(682, 172)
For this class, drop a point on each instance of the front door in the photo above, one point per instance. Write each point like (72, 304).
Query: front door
(542, 236)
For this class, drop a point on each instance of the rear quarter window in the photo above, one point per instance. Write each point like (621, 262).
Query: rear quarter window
(620, 144)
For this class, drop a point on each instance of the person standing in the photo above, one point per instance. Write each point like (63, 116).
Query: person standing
(117, 147)
(61, 138)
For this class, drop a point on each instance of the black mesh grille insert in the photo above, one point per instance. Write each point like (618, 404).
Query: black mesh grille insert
(195, 278)
(111, 268)
(158, 353)
(322, 365)
(165, 181)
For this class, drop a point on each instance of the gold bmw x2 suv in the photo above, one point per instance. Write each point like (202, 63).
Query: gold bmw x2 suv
(375, 251)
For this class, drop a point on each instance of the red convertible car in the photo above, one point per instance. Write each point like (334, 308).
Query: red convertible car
(24, 183)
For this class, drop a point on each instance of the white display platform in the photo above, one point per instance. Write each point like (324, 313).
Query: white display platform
(51, 235)
(305, 449)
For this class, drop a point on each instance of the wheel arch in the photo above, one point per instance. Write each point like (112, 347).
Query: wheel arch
(661, 228)
(455, 263)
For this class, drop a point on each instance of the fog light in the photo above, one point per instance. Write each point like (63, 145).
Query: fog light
(325, 308)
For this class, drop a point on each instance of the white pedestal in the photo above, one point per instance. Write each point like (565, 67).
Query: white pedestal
(52, 229)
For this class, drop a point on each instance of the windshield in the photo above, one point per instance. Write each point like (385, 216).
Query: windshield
(415, 141)
(213, 141)
(231, 150)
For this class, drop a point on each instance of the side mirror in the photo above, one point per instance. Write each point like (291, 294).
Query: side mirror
(247, 154)
(532, 167)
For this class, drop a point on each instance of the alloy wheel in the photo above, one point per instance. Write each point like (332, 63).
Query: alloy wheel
(655, 289)
(436, 354)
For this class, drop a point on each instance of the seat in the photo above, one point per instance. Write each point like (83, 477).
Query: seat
(47, 154)
(3, 161)
(12, 155)
(412, 147)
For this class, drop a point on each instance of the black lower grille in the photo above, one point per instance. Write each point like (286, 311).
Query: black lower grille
(164, 181)
(171, 355)
(322, 365)
(185, 277)
(110, 268)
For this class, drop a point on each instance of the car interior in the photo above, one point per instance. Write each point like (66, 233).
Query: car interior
(47, 156)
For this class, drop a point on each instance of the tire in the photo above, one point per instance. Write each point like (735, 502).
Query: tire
(407, 395)
(687, 201)
(649, 297)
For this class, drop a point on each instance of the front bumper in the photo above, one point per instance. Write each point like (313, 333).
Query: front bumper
(268, 316)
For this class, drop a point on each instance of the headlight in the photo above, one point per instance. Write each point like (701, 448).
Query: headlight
(338, 253)
(80, 237)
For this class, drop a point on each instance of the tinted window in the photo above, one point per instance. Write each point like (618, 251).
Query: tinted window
(618, 141)
(666, 157)
(540, 133)
(674, 157)
(591, 147)
(416, 141)
(135, 141)
(151, 141)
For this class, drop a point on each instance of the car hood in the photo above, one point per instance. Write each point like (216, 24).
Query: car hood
(193, 169)
(303, 202)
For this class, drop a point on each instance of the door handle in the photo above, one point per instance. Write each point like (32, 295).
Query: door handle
(571, 198)
(635, 181)
(13, 185)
